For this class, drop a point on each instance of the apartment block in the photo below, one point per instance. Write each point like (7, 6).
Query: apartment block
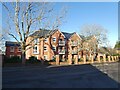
(46, 44)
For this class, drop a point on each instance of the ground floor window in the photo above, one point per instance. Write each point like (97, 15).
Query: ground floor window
(19, 56)
(11, 56)
(45, 57)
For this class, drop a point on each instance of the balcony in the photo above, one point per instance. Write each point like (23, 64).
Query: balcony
(74, 43)
(74, 52)
(61, 51)
(61, 43)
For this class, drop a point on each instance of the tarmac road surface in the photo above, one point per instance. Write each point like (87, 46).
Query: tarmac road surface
(73, 76)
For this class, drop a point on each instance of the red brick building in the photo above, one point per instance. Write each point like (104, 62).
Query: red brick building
(46, 44)
(12, 49)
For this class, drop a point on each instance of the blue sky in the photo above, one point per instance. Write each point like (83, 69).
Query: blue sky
(81, 13)
(101, 13)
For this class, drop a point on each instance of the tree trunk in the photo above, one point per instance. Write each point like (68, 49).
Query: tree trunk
(23, 58)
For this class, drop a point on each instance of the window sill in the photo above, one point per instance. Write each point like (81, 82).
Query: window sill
(35, 53)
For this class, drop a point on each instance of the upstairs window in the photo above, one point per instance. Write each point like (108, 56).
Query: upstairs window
(11, 49)
(35, 49)
(54, 48)
(36, 40)
(45, 48)
(19, 49)
(45, 40)
(54, 39)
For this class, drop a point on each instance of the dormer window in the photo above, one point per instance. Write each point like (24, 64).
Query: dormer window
(36, 40)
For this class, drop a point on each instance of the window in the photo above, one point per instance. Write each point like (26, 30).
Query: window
(35, 49)
(11, 49)
(54, 39)
(45, 40)
(11, 56)
(45, 57)
(19, 56)
(37, 57)
(45, 48)
(36, 40)
(54, 48)
(19, 49)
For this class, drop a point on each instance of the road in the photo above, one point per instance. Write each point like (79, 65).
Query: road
(73, 76)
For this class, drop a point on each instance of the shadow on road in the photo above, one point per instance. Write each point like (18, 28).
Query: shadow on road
(72, 76)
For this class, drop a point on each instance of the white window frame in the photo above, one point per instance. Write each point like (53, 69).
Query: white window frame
(46, 57)
(37, 57)
(36, 40)
(11, 56)
(44, 48)
(12, 48)
(35, 51)
(54, 38)
(19, 49)
(45, 40)
(54, 48)
(19, 56)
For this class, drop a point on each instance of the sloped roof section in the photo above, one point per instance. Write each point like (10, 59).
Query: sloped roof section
(43, 33)
(83, 37)
(67, 35)
(10, 43)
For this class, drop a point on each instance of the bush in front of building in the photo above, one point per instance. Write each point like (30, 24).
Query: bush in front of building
(80, 60)
(33, 59)
(13, 59)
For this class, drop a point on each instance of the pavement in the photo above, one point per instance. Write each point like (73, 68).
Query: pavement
(71, 76)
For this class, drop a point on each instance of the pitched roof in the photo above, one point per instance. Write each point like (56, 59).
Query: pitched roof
(67, 35)
(43, 33)
(10, 43)
(83, 37)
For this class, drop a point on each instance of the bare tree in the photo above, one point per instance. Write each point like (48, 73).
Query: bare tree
(97, 31)
(3, 38)
(94, 37)
(25, 17)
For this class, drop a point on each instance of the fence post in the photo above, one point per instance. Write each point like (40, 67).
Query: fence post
(57, 60)
(84, 58)
(98, 58)
(76, 59)
(92, 59)
(70, 59)
(104, 58)
(109, 59)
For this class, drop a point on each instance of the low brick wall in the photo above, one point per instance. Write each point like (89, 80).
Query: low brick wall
(52, 63)
(63, 63)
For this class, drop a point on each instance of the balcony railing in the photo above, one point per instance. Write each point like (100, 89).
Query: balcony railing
(61, 43)
(61, 51)
(74, 43)
(74, 51)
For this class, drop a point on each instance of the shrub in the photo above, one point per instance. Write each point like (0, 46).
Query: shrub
(53, 60)
(46, 62)
(80, 59)
(33, 59)
(13, 59)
